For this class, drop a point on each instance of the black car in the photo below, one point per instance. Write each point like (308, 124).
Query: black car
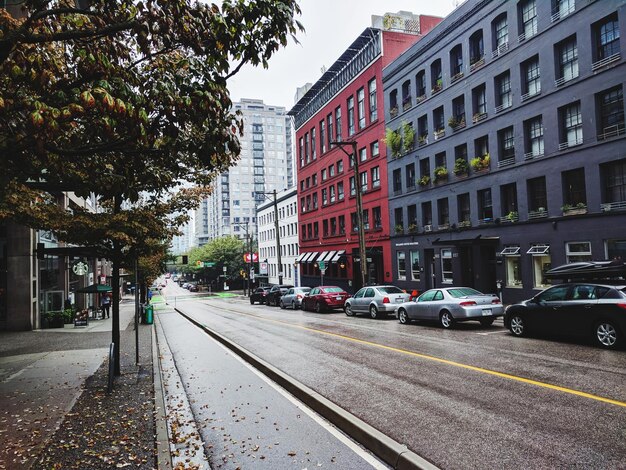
(592, 309)
(259, 295)
(275, 293)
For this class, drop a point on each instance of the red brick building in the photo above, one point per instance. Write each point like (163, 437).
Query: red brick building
(346, 104)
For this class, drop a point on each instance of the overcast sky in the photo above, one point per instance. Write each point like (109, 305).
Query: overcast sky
(331, 26)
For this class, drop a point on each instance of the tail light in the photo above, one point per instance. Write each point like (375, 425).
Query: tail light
(467, 303)
(386, 300)
(622, 306)
(496, 301)
(299, 296)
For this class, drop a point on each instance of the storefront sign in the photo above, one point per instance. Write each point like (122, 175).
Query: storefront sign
(80, 268)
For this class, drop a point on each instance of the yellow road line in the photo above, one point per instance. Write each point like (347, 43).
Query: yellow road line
(453, 363)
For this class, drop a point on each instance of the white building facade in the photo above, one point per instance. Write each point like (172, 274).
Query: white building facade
(287, 208)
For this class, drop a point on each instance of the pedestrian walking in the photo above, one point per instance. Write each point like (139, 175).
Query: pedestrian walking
(105, 303)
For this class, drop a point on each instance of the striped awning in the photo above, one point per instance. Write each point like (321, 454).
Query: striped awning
(337, 255)
(323, 255)
(305, 256)
(300, 256)
(313, 256)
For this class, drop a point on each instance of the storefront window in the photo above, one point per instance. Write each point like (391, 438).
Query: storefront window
(446, 266)
(401, 258)
(578, 251)
(415, 265)
(512, 266)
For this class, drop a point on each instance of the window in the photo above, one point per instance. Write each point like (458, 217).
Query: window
(366, 219)
(500, 34)
(314, 200)
(301, 151)
(531, 82)
(508, 201)
(340, 167)
(374, 152)
(333, 226)
(528, 19)
(314, 179)
(606, 34)
(562, 8)
(329, 122)
(427, 215)
(567, 54)
(410, 176)
(610, 106)
(477, 48)
(504, 98)
(485, 208)
(415, 265)
(397, 181)
(578, 251)
(340, 194)
(323, 135)
(443, 213)
(338, 124)
(460, 152)
(533, 129)
(456, 62)
(438, 120)
(512, 266)
(398, 217)
(375, 177)
(420, 85)
(458, 112)
(574, 192)
(481, 146)
(393, 103)
(463, 204)
(331, 171)
(422, 129)
(401, 260)
(537, 198)
(614, 183)
(351, 115)
(362, 154)
(373, 100)
(407, 99)
(360, 99)
(412, 215)
(506, 144)
(325, 228)
(479, 101)
(616, 249)
(313, 145)
(376, 215)
(446, 266)
(323, 174)
(436, 82)
(571, 126)
(324, 197)
(306, 147)
(352, 186)
(363, 180)
(342, 224)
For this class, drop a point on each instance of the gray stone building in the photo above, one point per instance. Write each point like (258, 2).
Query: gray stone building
(508, 156)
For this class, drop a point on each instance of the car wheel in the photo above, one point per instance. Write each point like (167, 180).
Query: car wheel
(403, 317)
(251, 301)
(446, 319)
(487, 321)
(293, 305)
(607, 334)
(318, 307)
(281, 304)
(373, 312)
(517, 325)
(348, 310)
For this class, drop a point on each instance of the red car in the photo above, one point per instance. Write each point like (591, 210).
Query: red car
(324, 298)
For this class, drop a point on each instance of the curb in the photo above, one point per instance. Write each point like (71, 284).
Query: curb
(163, 457)
(390, 451)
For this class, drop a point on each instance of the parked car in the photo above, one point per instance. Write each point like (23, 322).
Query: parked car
(376, 300)
(275, 293)
(259, 295)
(449, 305)
(185, 285)
(324, 298)
(192, 287)
(293, 297)
(592, 309)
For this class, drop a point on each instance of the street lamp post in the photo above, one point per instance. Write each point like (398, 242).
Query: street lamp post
(359, 204)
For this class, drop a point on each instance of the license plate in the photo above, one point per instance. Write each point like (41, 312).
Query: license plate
(338, 297)
(399, 300)
(486, 311)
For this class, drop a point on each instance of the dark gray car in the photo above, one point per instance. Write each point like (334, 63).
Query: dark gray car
(293, 297)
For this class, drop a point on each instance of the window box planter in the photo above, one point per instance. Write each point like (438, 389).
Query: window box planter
(422, 140)
(461, 168)
(456, 76)
(424, 181)
(578, 209)
(420, 98)
(538, 214)
(464, 224)
(399, 229)
(479, 117)
(412, 228)
(439, 133)
(393, 112)
(441, 174)
(481, 163)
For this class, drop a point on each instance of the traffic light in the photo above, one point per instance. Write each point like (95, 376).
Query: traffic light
(185, 259)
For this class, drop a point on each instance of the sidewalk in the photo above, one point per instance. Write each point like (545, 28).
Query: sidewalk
(54, 410)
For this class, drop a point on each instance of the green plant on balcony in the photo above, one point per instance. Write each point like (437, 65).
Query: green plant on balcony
(441, 173)
(581, 206)
(461, 167)
(512, 216)
(393, 140)
(480, 163)
(399, 229)
(412, 228)
(422, 139)
(408, 137)
(424, 180)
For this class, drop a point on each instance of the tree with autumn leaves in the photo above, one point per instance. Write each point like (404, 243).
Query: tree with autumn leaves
(127, 101)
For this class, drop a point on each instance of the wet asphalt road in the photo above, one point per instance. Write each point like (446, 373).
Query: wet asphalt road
(436, 390)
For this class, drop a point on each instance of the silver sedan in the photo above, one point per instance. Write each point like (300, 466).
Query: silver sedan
(293, 297)
(376, 300)
(449, 305)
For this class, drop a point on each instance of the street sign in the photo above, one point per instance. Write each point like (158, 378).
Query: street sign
(224, 269)
(322, 265)
(208, 264)
(251, 258)
(263, 269)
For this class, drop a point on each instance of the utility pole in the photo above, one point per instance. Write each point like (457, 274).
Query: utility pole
(280, 263)
(359, 205)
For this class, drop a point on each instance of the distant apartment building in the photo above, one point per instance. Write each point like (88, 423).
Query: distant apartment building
(287, 209)
(265, 164)
(511, 157)
(346, 104)
(186, 240)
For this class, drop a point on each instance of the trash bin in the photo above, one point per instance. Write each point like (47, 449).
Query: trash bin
(149, 314)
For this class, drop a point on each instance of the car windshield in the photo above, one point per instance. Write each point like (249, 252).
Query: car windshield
(391, 290)
(304, 289)
(332, 290)
(459, 292)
